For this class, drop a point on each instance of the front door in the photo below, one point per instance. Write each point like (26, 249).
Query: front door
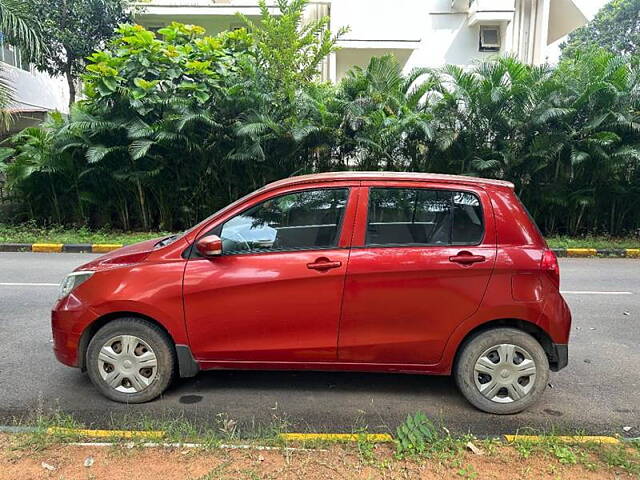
(275, 293)
(420, 264)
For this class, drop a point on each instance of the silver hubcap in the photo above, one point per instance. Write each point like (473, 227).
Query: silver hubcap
(505, 373)
(127, 363)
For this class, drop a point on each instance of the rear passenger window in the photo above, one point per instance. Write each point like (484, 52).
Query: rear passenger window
(399, 216)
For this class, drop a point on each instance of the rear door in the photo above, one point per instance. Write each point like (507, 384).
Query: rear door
(421, 259)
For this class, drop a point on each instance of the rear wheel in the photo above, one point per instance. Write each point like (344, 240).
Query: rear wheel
(502, 371)
(131, 360)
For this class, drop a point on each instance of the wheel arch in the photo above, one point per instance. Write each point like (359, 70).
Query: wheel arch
(528, 327)
(100, 322)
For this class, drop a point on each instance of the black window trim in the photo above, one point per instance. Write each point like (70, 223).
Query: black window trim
(194, 254)
(435, 245)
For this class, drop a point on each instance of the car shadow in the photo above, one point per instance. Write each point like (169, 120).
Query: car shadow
(316, 382)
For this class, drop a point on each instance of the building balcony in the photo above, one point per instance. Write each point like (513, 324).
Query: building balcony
(495, 12)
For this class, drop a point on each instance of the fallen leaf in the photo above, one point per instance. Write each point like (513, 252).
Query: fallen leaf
(476, 451)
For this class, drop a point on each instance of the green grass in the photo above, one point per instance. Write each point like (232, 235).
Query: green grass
(593, 241)
(592, 456)
(30, 233)
(417, 439)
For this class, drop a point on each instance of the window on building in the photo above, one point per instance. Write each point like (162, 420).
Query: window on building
(489, 38)
(12, 55)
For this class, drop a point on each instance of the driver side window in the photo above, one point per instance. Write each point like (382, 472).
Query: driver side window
(303, 220)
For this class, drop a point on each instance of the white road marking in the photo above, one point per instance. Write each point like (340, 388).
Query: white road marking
(581, 292)
(29, 284)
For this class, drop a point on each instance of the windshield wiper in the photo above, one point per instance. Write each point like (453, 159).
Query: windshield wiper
(166, 241)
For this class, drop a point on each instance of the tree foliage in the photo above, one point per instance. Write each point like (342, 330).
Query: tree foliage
(616, 28)
(177, 124)
(290, 50)
(73, 30)
(20, 27)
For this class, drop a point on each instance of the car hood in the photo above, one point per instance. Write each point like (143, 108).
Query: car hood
(124, 255)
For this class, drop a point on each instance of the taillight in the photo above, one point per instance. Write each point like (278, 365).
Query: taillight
(550, 265)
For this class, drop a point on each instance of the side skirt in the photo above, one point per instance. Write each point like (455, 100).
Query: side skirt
(436, 369)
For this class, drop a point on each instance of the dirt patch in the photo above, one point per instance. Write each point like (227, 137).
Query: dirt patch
(336, 461)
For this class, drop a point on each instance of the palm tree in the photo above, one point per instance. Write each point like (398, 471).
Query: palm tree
(387, 123)
(36, 162)
(18, 27)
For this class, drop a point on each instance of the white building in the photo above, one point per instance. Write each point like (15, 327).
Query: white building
(417, 32)
(35, 93)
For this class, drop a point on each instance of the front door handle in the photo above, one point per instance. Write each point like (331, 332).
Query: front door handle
(466, 258)
(323, 264)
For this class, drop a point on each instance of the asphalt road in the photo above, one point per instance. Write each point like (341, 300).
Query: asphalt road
(599, 392)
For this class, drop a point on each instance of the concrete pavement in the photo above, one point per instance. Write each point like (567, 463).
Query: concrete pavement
(598, 393)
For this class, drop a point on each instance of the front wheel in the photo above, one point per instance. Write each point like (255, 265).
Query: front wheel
(131, 360)
(502, 371)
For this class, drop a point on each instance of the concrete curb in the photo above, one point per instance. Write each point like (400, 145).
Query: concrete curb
(158, 435)
(570, 439)
(337, 437)
(60, 247)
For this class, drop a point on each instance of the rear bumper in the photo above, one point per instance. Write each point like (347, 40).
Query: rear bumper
(559, 356)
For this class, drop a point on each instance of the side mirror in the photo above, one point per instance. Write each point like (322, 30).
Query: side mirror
(209, 246)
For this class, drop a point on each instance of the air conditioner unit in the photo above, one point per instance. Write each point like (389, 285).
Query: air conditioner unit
(460, 5)
(489, 38)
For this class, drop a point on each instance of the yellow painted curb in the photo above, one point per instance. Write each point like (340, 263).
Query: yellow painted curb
(581, 252)
(337, 437)
(46, 247)
(632, 252)
(152, 434)
(563, 439)
(105, 247)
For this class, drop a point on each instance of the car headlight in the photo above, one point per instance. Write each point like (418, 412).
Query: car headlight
(72, 281)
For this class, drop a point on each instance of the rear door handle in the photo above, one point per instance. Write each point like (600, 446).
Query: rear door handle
(323, 264)
(467, 258)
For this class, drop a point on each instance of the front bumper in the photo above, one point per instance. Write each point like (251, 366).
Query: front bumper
(69, 318)
(559, 356)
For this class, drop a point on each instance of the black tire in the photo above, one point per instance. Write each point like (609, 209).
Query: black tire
(154, 337)
(475, 347)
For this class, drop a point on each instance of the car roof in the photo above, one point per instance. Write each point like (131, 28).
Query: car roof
(387, 176)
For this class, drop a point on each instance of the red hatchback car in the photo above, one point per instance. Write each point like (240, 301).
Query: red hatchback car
(357, 271)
